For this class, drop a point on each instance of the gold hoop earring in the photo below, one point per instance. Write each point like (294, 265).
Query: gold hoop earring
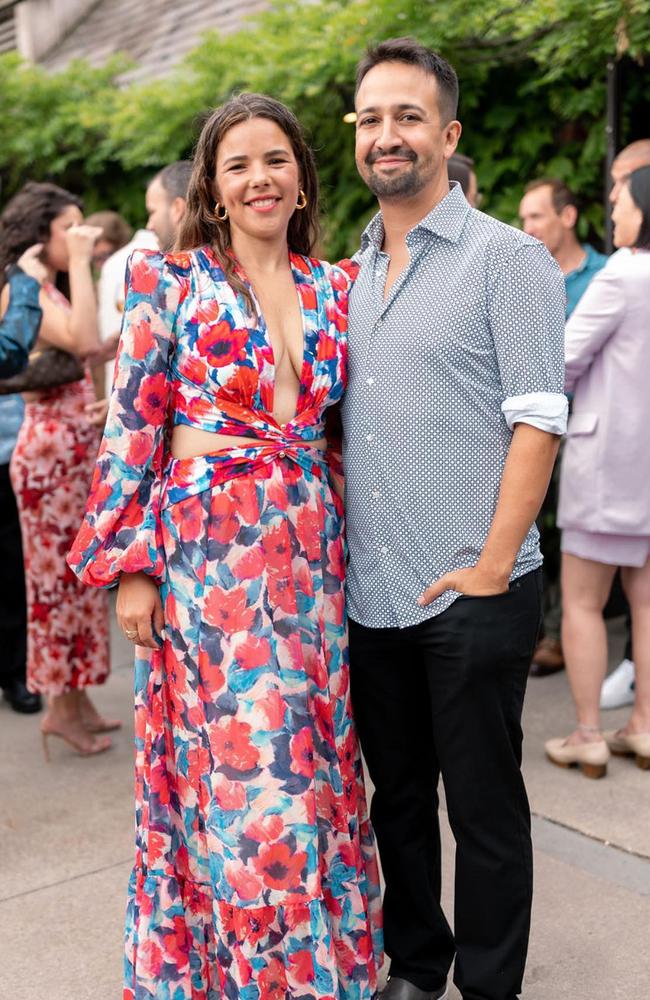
(220, 212)
(302, 200)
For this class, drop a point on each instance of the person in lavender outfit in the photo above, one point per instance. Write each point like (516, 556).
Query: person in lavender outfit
(604, 508)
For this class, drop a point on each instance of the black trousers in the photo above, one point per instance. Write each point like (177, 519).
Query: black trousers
(445, 698)
(13, 605)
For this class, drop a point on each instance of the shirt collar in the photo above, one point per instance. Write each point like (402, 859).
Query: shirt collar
(591, 260)
(446, 220)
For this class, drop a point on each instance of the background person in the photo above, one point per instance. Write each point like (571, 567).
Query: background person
(618, 688)
(115, 234)
(461, 168)
(110, 294)
(166, 198)
(51, 467)
(166, 201)
(630, 158)
(20, 324)
(549, 212)
(604, 509)
(18, 331)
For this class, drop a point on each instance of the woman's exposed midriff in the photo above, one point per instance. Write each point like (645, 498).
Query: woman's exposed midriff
(191, 442)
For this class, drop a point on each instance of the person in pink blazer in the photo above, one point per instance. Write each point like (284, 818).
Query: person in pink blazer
(604, 507)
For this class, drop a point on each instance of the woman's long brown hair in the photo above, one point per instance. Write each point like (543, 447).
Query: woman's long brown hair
(200, 225)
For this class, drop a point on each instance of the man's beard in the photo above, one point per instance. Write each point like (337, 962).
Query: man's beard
(406, 183)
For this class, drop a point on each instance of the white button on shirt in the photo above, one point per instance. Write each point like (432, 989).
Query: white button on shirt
(469, 341)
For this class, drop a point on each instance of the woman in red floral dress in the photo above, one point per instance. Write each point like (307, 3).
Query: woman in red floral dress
(51, 468)
(214, 505)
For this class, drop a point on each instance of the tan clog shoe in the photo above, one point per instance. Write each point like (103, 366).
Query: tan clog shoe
(591, 758)
(635, 745)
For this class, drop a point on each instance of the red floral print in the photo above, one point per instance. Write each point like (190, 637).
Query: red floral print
(51, 469)
(231, 744)
(149, 399)
(243, 720)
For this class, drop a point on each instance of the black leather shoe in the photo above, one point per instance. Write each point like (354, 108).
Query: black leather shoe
(22, 700)
(400, 989)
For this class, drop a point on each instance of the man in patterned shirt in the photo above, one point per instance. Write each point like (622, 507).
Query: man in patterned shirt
(452, 421)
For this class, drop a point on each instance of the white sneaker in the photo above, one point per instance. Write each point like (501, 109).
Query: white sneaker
(618, 689)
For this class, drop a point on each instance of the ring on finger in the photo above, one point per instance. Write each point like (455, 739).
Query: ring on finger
(131, 633)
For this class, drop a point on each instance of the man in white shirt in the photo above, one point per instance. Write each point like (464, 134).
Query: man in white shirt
(111, 292)
(165, 201)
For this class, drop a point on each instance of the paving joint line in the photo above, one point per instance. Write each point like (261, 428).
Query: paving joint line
(591, 836)
(64, 881)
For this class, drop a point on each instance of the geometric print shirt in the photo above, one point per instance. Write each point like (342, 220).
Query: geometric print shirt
(468, 342)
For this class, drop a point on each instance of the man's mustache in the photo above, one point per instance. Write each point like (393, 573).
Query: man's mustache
(403, 151)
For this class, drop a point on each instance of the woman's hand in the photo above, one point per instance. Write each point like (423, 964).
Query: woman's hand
(139, 610)
(31, 265)
(81, 240)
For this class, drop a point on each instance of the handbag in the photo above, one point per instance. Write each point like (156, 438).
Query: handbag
(47, 368)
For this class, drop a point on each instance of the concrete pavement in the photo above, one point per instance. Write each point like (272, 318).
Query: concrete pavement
(66, 832)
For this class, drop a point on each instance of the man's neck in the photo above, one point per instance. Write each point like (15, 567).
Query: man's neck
(570, 255)
(401, 215)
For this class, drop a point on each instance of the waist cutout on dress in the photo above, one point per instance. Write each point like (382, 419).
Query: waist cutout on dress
(185, 477)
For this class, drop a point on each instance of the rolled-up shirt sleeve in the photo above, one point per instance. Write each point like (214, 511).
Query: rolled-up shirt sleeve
(547, 411)
(526, 304)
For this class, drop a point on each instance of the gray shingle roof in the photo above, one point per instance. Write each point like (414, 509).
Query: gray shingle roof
(155, 33)
(7, 26)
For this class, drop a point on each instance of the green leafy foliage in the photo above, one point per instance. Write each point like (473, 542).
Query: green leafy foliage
(533, 97)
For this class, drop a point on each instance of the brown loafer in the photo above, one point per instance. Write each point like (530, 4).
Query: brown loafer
(547, 658)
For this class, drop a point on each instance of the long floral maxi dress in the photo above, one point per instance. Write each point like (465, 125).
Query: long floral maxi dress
(255, 875)
(51, 470)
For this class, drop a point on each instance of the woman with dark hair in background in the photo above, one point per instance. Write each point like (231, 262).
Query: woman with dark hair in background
(214, 504)
(604, 508)
(51, 467)
(19, 328)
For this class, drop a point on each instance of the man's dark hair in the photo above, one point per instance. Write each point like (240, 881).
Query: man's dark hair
(640, 190)
(459, 168)
(561, 194)
(413, 53)
(175, 178)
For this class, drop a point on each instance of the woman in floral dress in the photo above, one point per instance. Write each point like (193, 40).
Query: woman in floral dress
(51, 469)
(214, 505)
